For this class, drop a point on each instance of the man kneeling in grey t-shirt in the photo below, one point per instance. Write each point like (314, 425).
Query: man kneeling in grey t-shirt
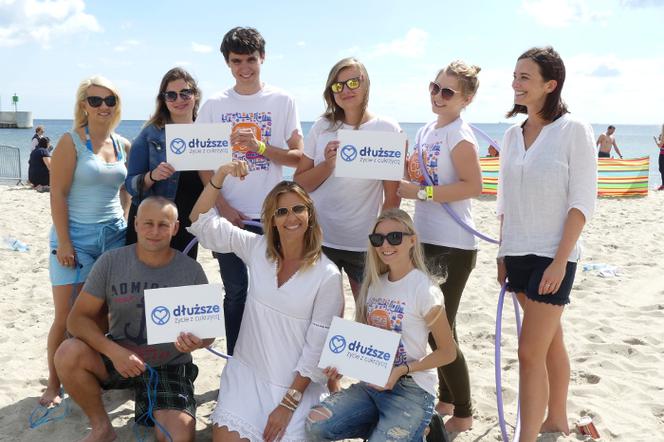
(118, 360)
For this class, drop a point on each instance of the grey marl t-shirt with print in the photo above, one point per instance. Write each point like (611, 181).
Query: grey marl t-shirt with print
(119, 278)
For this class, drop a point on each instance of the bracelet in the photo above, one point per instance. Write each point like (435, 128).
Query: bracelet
(429, 190)
(213, 185)
(286, 406)
(407, 368)
(261, 148)
(289, 401)
(150, 175)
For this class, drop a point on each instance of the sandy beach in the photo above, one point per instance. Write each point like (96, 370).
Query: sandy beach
(614, 329)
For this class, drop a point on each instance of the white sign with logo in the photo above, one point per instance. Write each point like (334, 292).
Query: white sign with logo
(195, 309)
(360, 351)
(198, 146)
(371, 154)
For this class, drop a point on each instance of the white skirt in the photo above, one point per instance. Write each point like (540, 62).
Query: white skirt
(245, 402)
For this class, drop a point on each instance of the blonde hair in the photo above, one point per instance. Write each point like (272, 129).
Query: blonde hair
(313, 237)
(80, 116)
(333, 113)
(466, 74)
(375, 267)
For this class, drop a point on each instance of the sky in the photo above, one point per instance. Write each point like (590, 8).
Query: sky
(613, 51)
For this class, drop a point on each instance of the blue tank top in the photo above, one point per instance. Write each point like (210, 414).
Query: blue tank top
(94, 195)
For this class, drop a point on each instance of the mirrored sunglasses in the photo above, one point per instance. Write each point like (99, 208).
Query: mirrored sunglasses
(351, 83)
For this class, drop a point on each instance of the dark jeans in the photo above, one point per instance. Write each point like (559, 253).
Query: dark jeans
(236, 280)
(455, 265)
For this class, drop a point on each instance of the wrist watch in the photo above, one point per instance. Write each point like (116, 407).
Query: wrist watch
(296, 395)
(422, 194)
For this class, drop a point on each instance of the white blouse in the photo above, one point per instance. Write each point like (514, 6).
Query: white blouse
(538, 187)
(283, 328)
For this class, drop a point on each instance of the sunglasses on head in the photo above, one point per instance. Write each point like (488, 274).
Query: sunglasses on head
(394, 238)
(95, 101)
(185, 95)
(445, 92)
(297, 209)
(352, 83)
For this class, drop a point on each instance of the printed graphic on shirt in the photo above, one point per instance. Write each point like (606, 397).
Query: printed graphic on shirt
(388, 314)
(260, 123)
(430, 154)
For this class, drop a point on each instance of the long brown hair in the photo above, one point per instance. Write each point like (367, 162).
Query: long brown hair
(551, 67)
(161, 115)
(313, 237)
(333, 113)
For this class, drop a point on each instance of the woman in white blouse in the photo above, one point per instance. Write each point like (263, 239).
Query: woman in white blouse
(272, 380)
(547, 192)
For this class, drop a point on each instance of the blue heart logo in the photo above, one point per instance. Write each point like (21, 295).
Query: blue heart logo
(178, 146)
(160, 315)
(348, 152)
(337, 344)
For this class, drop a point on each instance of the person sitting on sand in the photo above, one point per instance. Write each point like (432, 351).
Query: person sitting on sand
(268, 387)
(606, 141)
(91, 360)
(39, 166)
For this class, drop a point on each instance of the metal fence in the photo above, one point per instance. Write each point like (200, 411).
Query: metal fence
(10, 163)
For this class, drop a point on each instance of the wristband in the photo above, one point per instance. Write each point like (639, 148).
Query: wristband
(150, 175)
(429, 191)
(213, 185)
(407, 368)
(261, 148)
(287, 407)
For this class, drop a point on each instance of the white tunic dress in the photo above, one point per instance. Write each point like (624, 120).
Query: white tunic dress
(283, 331)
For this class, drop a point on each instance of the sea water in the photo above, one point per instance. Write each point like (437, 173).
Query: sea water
(634, 141)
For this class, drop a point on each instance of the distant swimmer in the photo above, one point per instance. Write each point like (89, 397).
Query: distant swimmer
(606, 141)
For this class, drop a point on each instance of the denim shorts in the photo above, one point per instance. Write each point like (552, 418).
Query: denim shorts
(89, 242)
(524, 274)
(360, 411)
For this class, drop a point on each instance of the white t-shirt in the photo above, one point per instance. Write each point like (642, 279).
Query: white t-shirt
(537, 187)
(432, 222)
(347, 207)
(401, 306)
(272, 115)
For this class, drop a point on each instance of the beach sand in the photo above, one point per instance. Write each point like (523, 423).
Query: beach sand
(614, 329)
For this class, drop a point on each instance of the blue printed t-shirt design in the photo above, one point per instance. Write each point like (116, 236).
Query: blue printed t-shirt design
(260, 124)
(388, 314)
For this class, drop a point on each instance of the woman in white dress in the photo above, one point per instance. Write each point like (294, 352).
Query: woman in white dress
(272, 380)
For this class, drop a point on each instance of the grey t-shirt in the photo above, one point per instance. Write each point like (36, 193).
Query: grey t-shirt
(119, 278)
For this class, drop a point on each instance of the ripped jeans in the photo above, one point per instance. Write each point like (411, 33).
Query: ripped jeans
(400, 414)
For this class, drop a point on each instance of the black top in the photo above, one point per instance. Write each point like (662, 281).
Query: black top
(37, 171)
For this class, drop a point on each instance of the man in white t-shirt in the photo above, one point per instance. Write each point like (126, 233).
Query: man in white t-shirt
(267, 135)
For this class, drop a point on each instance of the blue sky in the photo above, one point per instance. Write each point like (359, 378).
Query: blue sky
(613, 50)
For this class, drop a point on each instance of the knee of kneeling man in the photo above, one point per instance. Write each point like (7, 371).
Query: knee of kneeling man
(68, 353)
(314, 425)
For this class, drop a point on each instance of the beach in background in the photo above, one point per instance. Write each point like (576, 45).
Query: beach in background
(634, 141)
(613, 329)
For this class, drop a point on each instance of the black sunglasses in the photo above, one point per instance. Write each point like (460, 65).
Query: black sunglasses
(352, 83)
(445, 92)
(394, 238)
(297, 209)
(95, 101)
(185, 94)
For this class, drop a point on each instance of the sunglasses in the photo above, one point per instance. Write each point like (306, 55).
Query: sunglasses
(445, 92)
(394, 238)
(297, 209)
(95, 101)
(352, 84)
(185, 95)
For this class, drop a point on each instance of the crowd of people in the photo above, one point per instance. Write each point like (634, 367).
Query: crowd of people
(122, 216)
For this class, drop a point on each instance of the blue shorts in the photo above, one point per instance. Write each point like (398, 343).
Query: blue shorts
(89, 242)
(524, 274)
